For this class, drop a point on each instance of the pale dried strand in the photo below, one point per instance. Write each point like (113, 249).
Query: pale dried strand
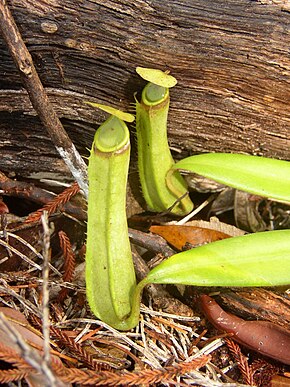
(185, 343)
(176, 344)
(178, 335)
(26, 303)
(141, 328)
(111, 332)
(45, 290)
(195, 211)
(152, 312)
(165, 352)
(36, 280)
(209, 348)
(29, 354)
(204, 380)
(159, 355)
(83, 332)
(33, 249)
(172, 317)
(21, 255)
(67, 285)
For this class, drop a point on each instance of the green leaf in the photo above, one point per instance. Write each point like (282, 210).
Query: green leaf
(115, 112)
(257, 175)
(260, 259)
(158, 77)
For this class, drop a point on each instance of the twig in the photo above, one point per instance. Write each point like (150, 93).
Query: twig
(29, 354)
(45, 290)
(39, 99)
(29, 191)
(6, 289)
(3, 222)
(23, 256)
(152, 242)
(196, 210)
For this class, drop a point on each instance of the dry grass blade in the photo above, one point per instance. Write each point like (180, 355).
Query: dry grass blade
(241, 360)
(54, 204)
(168, 374)
(69, 262)
(45, 291)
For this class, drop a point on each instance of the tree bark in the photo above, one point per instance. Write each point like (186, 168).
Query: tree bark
(231, 59)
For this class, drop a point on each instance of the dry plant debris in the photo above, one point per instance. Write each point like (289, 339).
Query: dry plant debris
(165, 349)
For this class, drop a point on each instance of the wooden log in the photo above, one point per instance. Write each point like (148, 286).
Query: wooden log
(260, 304)
(231, 59)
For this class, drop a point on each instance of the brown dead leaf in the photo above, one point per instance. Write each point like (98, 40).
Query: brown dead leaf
(215, 224)
(182, 236)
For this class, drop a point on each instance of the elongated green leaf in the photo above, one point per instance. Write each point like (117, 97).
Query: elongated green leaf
(261, 259)
(257, 175)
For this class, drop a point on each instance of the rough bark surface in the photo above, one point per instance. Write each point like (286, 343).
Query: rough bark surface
(260, 304)
(231, 59)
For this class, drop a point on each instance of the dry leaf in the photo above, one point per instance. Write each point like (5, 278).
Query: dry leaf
(182, 237)
(215, 224)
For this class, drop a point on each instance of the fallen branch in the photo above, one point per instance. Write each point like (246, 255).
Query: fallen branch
(39, 98)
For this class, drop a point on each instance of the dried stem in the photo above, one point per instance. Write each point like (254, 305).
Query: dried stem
(29, 354)
(35, 194)
(39, 98)
(45, 290)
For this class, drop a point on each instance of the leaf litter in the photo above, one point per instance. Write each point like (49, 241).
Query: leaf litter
(164, 349)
